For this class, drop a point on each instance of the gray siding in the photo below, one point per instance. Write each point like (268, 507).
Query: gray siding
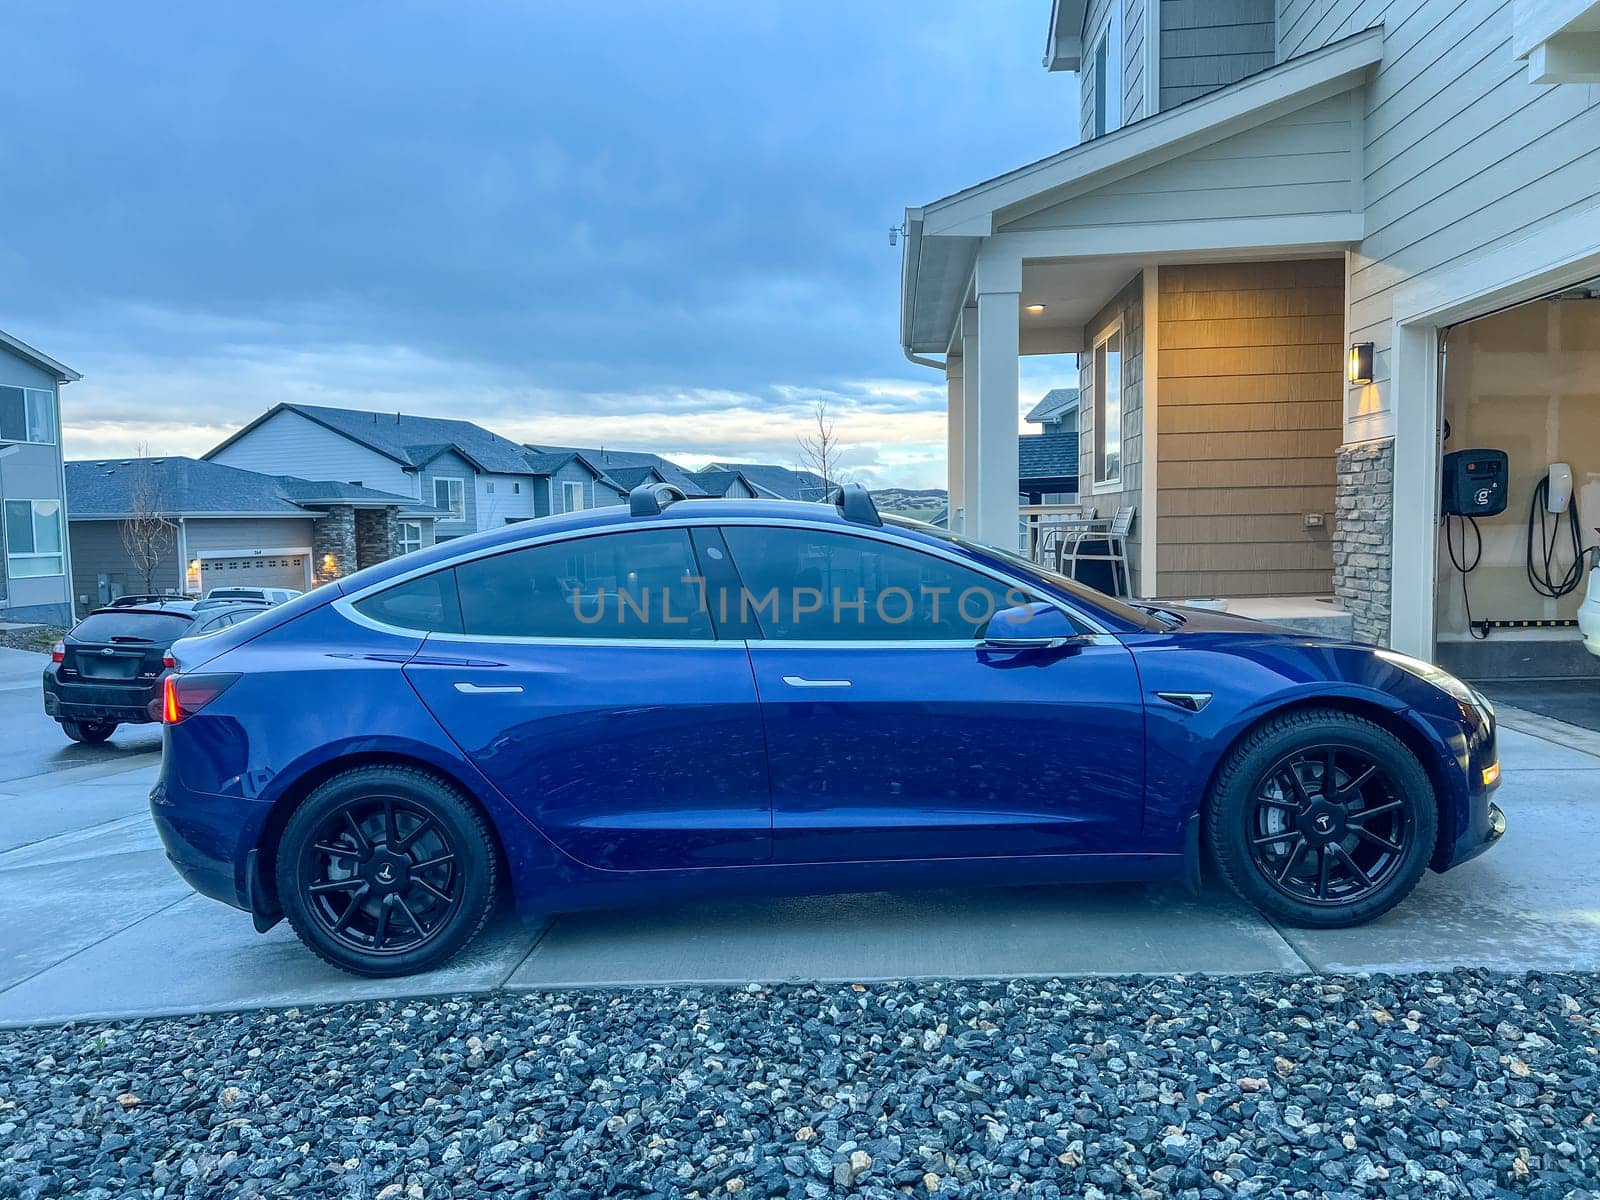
(1208, 44)
(1129, 305)
(288, 443)
(451, 465)
(234, 534)
(97, 549)
(30, 472)
(1462, 154)
(1132, 51)
(1249, 420)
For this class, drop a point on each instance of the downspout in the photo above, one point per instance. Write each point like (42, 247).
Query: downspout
(183, 557)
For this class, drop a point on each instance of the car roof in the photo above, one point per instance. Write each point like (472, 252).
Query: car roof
(177, 608)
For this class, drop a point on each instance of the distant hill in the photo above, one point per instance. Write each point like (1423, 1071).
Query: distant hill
(917, 503)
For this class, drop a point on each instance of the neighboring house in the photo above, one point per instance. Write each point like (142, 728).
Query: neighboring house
(225, 526)
(1056, 412)
(727, 484)
(636, 465)
(1278, 214)
(777, 483)
(1047, 462)
(478, 478)
(36, 563)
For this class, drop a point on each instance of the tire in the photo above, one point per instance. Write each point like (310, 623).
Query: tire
(406, 876)
(1304, 857)
(90, 733)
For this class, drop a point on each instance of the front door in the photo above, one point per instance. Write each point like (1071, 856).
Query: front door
(893, 733)
(588, 685)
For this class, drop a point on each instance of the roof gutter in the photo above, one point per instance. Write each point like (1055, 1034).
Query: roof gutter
(910, 263)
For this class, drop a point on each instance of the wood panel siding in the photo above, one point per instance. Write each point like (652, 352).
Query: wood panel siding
(1462, 154)
(1248, 426)
(1207, 44)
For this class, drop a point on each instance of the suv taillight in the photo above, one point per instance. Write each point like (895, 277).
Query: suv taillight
(169, 662)
(58, 652)
(184, 695)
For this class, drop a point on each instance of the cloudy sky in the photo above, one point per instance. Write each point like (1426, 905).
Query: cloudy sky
(652, 224)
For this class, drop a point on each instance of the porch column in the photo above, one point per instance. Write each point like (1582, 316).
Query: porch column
(955, 436)
(970, 403)
(994, 502)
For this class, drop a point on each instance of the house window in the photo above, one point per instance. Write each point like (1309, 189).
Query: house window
(410, 536)
(516, 489)
(1108, 409)
(27, 415)
(451, 495)
(1108, 75)
(571, 497)
(33, 538)
(489, 488)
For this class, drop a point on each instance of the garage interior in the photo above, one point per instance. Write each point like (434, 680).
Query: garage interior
(1525, 382)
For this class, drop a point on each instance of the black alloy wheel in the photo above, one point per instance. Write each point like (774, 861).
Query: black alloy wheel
(386, 871)
(1321, 818)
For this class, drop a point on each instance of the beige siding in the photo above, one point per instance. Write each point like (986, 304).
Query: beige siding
(1128, 304)
(1462, 154)
(1249, 421)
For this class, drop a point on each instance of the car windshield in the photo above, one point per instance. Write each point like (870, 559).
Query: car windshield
(131, 625)
(1120, 609)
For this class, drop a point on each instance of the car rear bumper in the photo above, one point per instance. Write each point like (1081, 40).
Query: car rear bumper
(210, 841)
(102, 702)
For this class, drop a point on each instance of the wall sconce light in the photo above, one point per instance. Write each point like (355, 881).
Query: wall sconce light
(1360, 368)
(330, 565)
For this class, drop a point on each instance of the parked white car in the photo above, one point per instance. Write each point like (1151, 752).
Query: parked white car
(248, 595)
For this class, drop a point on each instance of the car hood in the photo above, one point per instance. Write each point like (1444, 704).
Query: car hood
(1206, 620)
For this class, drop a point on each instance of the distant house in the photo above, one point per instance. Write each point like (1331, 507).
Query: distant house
(778, 483)
(1047, 463)
(630, 468)
(36, 563)
(226, 526)
(478, 478)
(727, 484)
(1056, 412)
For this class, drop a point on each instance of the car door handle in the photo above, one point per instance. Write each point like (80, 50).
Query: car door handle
(800, 681)
(489, 689)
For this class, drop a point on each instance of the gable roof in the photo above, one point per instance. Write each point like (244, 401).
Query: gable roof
(785, 483)
(719, 480)
(608, 461)
(408, 440)
(1054, 403)
(189, 487)
(62, 373)
(1047, 456)
(629, 478)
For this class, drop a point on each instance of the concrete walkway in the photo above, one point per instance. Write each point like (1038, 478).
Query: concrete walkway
(96, 925)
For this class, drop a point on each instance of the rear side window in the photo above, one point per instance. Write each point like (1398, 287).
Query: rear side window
(141, 626)
(427, 604)
(639, 584)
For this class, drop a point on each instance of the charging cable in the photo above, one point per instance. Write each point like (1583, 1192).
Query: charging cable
(1461, 562)
(1542, 573)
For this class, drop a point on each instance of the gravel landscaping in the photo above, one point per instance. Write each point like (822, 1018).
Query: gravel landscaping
(1466, 1084)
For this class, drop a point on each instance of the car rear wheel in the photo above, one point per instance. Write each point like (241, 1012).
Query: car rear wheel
(386, 870)
(1322, 819)
(89, 732)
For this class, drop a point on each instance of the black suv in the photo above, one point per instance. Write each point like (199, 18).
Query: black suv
(108, 670)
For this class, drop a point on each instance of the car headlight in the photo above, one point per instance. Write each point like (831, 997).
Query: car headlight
(1462, 693)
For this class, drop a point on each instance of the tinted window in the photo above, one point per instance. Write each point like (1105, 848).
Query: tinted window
(427, 604)
(811, 585)
(639, 584)
(150, 627)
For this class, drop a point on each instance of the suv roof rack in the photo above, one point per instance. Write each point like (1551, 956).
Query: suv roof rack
(651, 499)
(854, 503)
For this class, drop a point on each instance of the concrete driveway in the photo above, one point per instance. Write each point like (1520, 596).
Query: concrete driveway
(96, 925)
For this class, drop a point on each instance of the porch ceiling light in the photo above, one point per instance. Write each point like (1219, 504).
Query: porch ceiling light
(1035, 309)
(1360, 367)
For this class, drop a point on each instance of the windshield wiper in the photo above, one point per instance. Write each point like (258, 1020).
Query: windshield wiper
(1172, 619)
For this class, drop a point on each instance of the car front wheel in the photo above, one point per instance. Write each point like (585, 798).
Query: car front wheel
(91, 733)
(386, 870)
(1322, 818)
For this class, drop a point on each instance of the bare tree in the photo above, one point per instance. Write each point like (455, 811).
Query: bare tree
(821, 450)
(147, 531)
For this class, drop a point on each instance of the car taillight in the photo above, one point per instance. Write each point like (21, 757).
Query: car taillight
(184, 695)
(169, 662)
(58, 652)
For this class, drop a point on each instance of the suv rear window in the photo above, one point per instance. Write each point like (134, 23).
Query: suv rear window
(131, 623)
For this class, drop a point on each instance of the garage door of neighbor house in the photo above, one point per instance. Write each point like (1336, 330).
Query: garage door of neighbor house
(281, 570)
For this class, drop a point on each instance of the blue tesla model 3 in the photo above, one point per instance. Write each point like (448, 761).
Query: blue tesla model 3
(667, 698)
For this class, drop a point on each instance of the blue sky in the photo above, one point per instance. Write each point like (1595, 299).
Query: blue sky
(642, 224)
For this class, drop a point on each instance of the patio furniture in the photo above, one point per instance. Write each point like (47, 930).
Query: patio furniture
(1107, 542)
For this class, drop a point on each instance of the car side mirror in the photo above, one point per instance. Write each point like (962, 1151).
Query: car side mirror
(1035, 626)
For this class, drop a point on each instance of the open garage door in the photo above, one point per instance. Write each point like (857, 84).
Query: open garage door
(268, 570)
(1521, 483)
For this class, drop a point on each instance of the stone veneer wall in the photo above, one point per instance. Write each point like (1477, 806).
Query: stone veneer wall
(377, 535)
(333, 544)
(1363, 536)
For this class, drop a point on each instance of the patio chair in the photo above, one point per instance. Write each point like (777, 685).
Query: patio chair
(1107, 542)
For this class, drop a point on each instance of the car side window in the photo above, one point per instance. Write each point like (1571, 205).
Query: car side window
(426, 604)
(819, 586)
(642, 583)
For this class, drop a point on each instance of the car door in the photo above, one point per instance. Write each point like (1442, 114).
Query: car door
(584, 678)
(894, 733)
